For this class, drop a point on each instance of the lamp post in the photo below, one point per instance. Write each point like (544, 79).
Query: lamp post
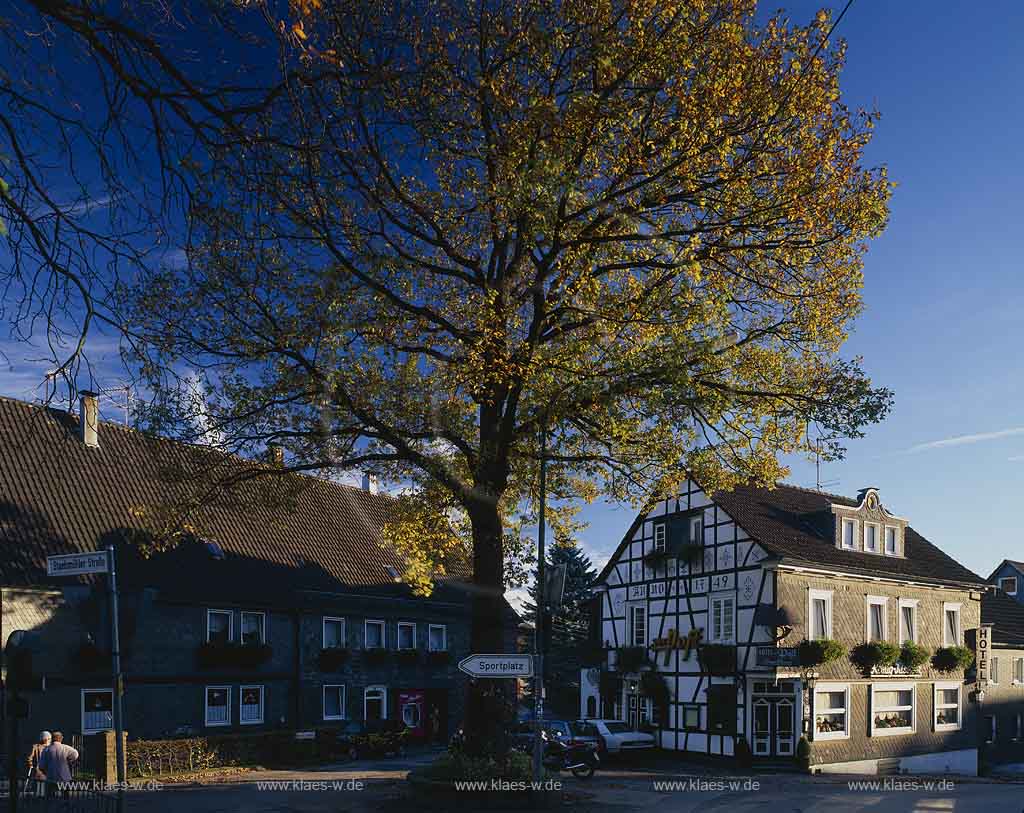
(539, 620)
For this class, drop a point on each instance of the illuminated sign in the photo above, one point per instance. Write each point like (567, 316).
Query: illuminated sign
(675, 641)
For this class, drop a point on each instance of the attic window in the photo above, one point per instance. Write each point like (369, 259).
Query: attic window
(214, 549)
(1008, 584)
(393, 573)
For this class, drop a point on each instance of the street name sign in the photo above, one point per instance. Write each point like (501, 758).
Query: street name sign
(76, 564)
(498, 666)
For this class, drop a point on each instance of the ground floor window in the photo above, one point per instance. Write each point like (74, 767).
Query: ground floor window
(375, 703)
(947, 706)
(250, 705)
(97, 710)
(831, 711)
(218, 705)
(691, 718)
(334, 702)
(893, 709)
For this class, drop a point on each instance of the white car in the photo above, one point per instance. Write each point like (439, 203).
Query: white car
(616, 737)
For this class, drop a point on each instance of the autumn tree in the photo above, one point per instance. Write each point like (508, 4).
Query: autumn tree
(421, 235)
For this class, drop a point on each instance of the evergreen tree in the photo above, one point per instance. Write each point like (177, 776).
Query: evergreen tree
(567, 629)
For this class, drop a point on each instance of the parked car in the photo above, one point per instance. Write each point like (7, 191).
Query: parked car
(616, 737)
(358, 739)
(567, 732)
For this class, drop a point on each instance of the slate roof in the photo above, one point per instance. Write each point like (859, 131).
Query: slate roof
(1006, 614)
(795, 524)
(1012, 562)
(278, 533)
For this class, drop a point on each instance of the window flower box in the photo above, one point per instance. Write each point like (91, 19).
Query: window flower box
(377, 654)
(231, 654)
(717, 659)
(820, 652)
(630, 658)
(952, 658)
(408, 657)
(439, 657)
(332, 658)
(875, 654)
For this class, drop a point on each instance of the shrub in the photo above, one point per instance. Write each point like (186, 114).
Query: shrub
(952, 658)
(743, 754)
(630, 658)
(913, 656)
(332, 658)
(191, 754)
(717, 659)
(875, 653)
(654, 685)
(457, 765)
(803, 753)
(820, 652)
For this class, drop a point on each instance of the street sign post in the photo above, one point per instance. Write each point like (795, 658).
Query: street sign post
(498, 666)
(104, 561)
(77, 564)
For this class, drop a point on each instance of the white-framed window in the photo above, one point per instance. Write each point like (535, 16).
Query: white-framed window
(250, 705)
(891, 540)
(876, 628)
(374, 635)
(849, 533)
(819, 614)
(1018, 670)
(437, 638)
(375, 703)
(723, 618)
(659, 537)
(908, 620)
(691, 717)
(948, 712)
(334, 701)
(893, 709)
(1008, 584)
(218, 626)
(638, 624)
(218, 705)
(254, 628)
(951, 631)
(990, 728)
(406, 635)
(871, 537)
(993, 670)
(697, 530)
(831, 711)
(97, 710)
(333, 632)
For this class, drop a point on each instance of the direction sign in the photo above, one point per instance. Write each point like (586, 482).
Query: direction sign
(76, 564)
(498, 666)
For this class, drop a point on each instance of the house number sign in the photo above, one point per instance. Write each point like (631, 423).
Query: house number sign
(637, 591)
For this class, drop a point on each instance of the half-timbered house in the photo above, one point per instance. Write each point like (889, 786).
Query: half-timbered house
(771, 614)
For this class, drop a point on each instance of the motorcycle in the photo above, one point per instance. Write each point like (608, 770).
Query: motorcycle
(579, 758)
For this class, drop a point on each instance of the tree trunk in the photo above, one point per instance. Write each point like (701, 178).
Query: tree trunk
(488, 701)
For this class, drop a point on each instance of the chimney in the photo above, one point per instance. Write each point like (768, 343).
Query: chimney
(370, 483)
(276, 454)
(89, 418)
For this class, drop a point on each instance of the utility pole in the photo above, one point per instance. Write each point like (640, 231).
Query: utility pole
(115, 647)
(539, 620)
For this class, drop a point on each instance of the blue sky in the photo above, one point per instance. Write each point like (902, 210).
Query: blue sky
(944, 293)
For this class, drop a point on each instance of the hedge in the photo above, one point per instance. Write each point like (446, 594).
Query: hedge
(148, 758)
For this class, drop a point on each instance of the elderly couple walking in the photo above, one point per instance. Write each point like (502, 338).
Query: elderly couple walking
(51, 760)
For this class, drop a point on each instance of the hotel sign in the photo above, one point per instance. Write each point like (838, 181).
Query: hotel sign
(777, 656)
(984, 645)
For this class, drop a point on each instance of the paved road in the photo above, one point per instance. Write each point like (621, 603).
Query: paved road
(380, 786)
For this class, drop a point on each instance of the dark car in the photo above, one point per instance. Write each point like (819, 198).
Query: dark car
(567, 732)
(376, 738)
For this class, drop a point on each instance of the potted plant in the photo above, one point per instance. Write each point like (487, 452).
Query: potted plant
(332, 658)
(438, 657)
(744, 756)
(375, 654)
(952, 658)
(408, 657)
(717, 659)
(803, 753)
(820, 652)
(913, 656)
(874, 654)
(630, 658)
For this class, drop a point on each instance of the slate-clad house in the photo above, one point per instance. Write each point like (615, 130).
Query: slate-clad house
(1002, 706)
(1009, 578)
(706, 606)
(278, 607)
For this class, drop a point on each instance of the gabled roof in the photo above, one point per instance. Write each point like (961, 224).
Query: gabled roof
(1006, 615)
(278, 533)
(1019, 566)
(795, 525)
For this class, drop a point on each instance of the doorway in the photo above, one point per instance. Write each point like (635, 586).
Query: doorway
(773, 718)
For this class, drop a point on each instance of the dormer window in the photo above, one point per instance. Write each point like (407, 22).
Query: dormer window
(849, 533)
(1008, 584)
(871, 537)
(697, 530)
(891, 543)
